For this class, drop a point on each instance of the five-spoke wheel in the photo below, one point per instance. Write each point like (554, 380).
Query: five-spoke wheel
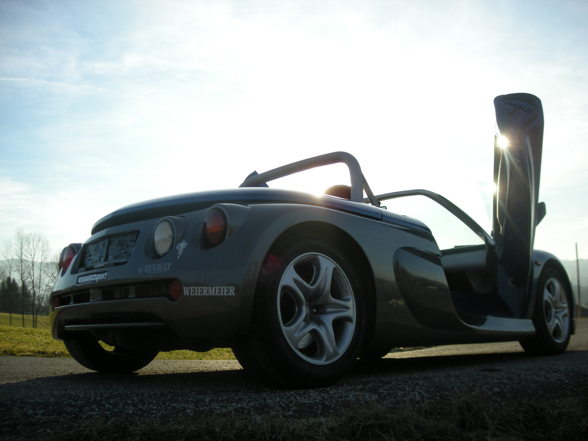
(556, 310)
(309, 315)
(552, 317)
(316, 308)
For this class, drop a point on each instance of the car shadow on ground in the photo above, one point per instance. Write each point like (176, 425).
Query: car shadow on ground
(221, 380)
(483, 362)
(231, 380)
(423, 363)
(188, 375)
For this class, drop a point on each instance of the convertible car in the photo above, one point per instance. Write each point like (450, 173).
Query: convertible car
(302, 286)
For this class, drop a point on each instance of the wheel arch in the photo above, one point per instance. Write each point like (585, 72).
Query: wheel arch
(350, 247)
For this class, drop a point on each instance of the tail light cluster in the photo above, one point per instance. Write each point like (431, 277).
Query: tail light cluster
(215, 227)
(67, 255)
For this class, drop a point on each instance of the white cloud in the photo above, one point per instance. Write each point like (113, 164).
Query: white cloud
(44, 84)
(61, 216)
(155, 98)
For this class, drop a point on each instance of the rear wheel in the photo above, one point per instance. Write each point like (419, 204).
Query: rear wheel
(552, 317)
(309, 316)
(98, 356)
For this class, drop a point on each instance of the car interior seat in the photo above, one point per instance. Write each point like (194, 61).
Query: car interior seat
(340, 191)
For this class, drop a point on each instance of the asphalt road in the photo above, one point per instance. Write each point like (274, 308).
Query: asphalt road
(40, 395)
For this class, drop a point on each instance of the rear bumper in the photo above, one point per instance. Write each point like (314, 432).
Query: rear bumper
(188, 323)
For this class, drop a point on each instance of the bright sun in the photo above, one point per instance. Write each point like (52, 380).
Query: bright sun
(502, 142)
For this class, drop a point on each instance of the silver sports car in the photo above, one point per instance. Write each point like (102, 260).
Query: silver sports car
(302, 286)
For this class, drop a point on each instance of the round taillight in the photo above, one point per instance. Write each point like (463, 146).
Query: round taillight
(163, 237)
(175, 290)
(215, 227)
(66, 257)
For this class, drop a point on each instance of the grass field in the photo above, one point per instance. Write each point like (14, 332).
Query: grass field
(43, 320)
(38, 342)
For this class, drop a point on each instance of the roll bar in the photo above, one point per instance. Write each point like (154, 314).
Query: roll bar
(358, 181)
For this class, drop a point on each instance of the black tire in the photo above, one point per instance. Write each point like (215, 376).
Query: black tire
(309, 315)
(552, 316)
(87, 351)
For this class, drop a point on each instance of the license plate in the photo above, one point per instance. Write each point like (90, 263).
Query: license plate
(112, 250)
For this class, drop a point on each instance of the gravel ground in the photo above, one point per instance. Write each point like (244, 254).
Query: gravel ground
(43, 396)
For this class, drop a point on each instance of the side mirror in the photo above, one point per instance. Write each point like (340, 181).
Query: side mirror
(540, 213)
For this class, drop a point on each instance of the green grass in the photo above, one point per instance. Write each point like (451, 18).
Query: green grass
(29, 342)
(43, 320)
(38, 342)
(213, 354)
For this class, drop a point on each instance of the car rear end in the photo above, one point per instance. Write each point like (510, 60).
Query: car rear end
(155, 279)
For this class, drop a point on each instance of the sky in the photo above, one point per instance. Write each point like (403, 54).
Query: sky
(107, 103)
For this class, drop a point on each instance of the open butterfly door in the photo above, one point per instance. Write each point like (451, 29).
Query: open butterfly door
(516, 209)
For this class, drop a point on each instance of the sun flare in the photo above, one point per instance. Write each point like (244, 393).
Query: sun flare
(503, 142)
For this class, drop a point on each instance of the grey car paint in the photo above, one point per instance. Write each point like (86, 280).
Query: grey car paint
(208, 320)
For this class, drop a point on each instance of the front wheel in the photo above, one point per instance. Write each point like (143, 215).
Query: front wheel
(309, 316)
(552, 317)
(89, 352)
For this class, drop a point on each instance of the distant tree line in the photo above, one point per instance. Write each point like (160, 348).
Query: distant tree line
(27, 275)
